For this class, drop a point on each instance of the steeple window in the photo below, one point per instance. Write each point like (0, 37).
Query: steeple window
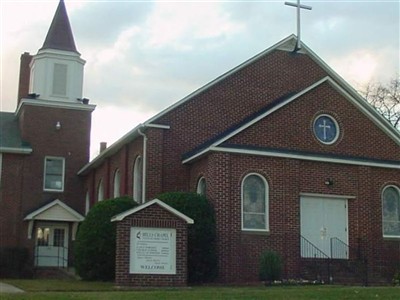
(60, 79)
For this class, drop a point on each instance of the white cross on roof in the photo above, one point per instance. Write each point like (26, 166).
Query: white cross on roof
(298, 6)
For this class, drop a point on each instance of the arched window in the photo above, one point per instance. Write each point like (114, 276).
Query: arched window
(100, 191)
(255, 203)
(87, 203)
(391, 211)
(137, 180)
(117, 183)
(201, 186)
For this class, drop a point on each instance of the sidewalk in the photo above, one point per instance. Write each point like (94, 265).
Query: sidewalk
(7, 288)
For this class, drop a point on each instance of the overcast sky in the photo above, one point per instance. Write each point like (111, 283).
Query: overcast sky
(143, 56)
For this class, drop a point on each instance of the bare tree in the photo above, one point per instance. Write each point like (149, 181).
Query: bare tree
(386, 99)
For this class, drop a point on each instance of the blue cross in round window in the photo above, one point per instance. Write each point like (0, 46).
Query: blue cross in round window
(326, 129)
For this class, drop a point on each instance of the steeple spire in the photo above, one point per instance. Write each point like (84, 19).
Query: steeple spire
(60, 35)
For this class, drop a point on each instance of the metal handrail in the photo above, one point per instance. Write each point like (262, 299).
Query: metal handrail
(311, 248)
(62, 257)
(339, 247)
(318, 257)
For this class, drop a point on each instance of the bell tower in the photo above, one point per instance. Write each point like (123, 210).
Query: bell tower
(53, 118)
(56, 71)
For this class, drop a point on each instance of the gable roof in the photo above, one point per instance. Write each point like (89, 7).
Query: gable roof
(287, 44)
(55, 211)
(60, 35)
(10, 135)
(362, 105)
(172, 210)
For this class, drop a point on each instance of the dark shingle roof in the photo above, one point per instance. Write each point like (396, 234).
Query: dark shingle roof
(60, 35)
(10, 136)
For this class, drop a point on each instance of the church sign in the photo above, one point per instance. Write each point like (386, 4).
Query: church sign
(151, 246)
(152, 251)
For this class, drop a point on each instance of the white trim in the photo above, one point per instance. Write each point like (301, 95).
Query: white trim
(198, 188)
(316, 195)
(336, 125)
(125, 139)
(160, 126)
(172, 210)
(16, 150)
(138, 181)
(62, 177)
(383, 191)
(77, 216)
(221, 78)
(100, 191)
(266, 199)
(55, 104)
(327, 79)
(117, 184)
(304, 157)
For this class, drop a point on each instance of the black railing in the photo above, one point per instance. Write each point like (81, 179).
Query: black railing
(352, 258)
(320, 261)
(58, 258)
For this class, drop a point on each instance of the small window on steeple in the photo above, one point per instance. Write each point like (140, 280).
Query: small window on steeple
(60, 80)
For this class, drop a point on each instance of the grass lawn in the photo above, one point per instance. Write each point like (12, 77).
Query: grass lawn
(71, 289)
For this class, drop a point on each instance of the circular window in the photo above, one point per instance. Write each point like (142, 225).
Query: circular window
(326, 129)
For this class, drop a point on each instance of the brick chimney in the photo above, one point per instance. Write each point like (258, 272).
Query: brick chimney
(24, 76)
(103, 146)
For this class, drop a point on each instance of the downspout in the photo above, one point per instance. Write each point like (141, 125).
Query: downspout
(144, 165)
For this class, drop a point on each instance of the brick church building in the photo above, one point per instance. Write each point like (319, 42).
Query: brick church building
(291, 157)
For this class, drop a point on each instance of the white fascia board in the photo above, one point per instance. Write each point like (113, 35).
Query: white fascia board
(343, 85)
(316, 158)
(16, 150)
(71, 211)
(370, 113)
(316, 195)
(116, 146)
(54, 104)
(172, 210)
(258, 118)
(222, 77)
(362, 105)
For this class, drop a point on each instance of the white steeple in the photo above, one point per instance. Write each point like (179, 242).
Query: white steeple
(57, 69)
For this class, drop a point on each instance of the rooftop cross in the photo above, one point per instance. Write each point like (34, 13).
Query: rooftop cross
(298, 6)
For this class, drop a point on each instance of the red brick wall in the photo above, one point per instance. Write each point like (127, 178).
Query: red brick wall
(239, 251)
(229, 102)
(12, 170)
(156, 217)
(291, 128)
(71, 142)
(24, 76)
(22, 175)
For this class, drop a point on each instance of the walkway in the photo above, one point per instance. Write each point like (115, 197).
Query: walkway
(8, 288)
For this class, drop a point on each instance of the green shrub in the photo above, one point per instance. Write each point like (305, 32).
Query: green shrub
(270, 266)
(95, 242)
(202, 257)
(14, 263)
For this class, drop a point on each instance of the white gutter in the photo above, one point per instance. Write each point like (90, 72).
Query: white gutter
(144, 166)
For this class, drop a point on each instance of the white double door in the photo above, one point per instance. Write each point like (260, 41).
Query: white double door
(320, 220)
(51, 245)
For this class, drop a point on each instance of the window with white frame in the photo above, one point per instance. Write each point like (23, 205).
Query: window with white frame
(391, 212)
(87, 203)
(117, 183)
(201, 186)
(137, 180)
(54, 168)
(254, 203)
(60, 79)
(100, 191)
